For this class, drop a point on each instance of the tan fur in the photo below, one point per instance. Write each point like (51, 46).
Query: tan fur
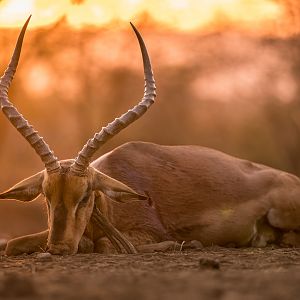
(194, 193)
(201, 194)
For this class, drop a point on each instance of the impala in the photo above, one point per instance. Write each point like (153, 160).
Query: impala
(146, 197)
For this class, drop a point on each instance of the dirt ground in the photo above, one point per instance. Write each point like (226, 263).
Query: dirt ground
(210, 273)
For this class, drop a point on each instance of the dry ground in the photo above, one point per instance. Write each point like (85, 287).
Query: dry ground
(210, 273)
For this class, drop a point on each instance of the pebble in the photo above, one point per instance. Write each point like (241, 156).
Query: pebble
(45, 256)
(207, 263)
(194, 244)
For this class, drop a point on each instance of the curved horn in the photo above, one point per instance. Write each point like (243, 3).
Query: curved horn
(84, 156)
(16, 119)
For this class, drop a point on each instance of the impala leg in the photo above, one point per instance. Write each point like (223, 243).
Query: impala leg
(265, 234)
(169, 246)
(137, 238)
(37, 242)
(159, 247)
(104, 246)
(291, 239)
(285, 218)
(27, 244)
(145, 243)
(86, 245)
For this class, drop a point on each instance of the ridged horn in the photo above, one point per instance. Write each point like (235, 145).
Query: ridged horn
(85, 155)
(16, 119)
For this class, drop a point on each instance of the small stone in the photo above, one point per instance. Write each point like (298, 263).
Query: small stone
(192, 245)
(3, 243)
(45, 256)
(206, 263)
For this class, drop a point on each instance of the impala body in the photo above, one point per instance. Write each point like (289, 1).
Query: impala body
(197, 193)
(146, 197)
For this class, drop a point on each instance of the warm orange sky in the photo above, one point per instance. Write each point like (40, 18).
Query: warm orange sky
(178, 14)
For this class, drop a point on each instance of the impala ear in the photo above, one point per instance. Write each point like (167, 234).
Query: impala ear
(114, 189)
(26, 190)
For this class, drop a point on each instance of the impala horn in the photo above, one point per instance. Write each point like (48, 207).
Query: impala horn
(16, 119)
(85, 155)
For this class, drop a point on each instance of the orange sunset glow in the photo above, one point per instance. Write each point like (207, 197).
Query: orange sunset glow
(178, 14)
(227, 74)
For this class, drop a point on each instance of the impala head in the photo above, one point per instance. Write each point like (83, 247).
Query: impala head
(69, 186)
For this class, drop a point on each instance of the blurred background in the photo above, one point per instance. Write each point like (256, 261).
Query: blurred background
(227, 71)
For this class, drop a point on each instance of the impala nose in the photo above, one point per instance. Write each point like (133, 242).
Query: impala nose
(60, 249)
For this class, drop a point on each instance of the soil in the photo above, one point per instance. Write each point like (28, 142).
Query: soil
(208, 273)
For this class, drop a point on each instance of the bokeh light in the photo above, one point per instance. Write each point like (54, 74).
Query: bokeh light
(178, 14)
